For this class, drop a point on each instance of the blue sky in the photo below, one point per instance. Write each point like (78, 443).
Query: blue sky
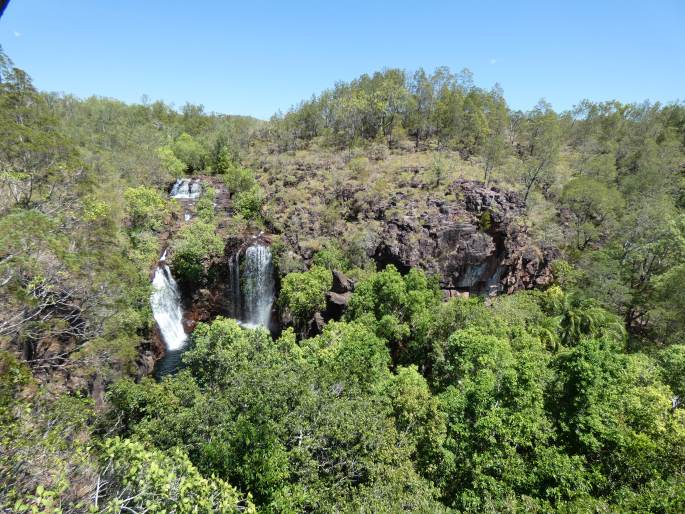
(255, 57)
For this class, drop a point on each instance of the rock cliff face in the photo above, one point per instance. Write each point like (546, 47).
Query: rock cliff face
(474, 241)
(470, 236)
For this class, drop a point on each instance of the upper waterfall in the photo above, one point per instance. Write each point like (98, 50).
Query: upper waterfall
(186, 189)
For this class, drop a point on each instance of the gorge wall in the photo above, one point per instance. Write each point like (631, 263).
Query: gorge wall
(470, 236)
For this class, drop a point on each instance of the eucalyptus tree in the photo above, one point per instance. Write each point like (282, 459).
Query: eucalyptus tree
(39, 166)
(540, 147)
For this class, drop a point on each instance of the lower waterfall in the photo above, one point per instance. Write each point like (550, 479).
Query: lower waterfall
(166, 309)
(252, 288)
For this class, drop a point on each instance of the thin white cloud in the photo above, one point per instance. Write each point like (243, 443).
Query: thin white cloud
(493, 60)
(17, 34)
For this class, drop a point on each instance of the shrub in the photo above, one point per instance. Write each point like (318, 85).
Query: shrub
(238, 179)
(190, 152)
(331, 257)
(194, 245)
(170, 162)
(224, 161)
(359, 166)
(248, 204)
(486, 221)
(205, 205)
(378, 152)
(145, 207)
(304, 293)
(438, 172)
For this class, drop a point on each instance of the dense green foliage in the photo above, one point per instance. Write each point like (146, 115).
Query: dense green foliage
(390, 105)
(237, 178)
(497, 421)
(566, 399)
(302, 294)
(146, 207)
(195, 244)
(248, 203)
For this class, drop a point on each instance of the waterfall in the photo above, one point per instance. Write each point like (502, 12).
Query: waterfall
(186, 189)
(166, 307)
(258, 286)
(252, 292)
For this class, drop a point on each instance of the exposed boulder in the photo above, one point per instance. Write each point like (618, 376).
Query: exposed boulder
(146, 363)
(338, 297)
(315, 325)
(336, 304)
(341, 283)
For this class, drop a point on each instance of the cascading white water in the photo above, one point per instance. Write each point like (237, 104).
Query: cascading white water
(186, 189)
(252, 291)
(166, 296)
(166, 307)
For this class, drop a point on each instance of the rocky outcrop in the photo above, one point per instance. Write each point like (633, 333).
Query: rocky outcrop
(336, 304)
(338, 297)
(472, 239)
